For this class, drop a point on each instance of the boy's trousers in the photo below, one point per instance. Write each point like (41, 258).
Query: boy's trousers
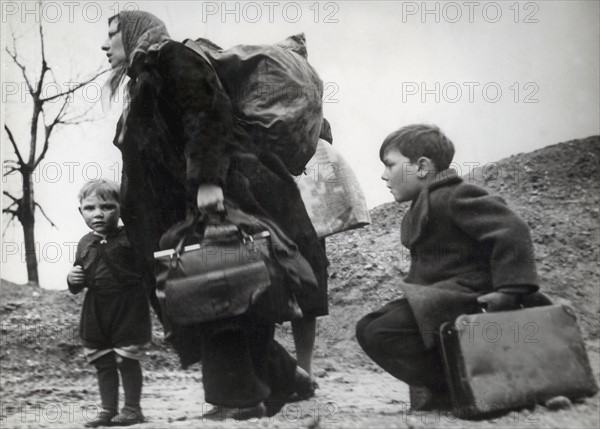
(390, 336)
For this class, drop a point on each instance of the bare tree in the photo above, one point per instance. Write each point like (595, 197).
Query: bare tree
(23, 208)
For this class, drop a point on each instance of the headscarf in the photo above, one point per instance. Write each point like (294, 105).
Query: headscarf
(139, 31)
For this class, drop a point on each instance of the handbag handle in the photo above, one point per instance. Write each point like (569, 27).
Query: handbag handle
(207, 219)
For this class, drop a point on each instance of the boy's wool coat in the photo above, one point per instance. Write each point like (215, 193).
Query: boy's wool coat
(463, 243)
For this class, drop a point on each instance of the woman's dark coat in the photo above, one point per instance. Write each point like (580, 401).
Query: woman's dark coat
(179, 132)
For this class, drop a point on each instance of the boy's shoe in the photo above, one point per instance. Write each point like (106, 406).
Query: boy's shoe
(221, 414)
(558, 403)
(104, 418)
(128, 416)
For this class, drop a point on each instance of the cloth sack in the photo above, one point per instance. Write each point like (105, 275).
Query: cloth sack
(331, 193)
(277, 96)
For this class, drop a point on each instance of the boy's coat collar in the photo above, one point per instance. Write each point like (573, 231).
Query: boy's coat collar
(102, 237)
(417, 217)
(442, 178)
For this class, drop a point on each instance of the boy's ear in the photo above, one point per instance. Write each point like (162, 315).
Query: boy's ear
(424, 167)
(79, 208)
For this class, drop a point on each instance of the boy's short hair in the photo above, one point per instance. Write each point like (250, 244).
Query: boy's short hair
(415, 141)
(105, 189)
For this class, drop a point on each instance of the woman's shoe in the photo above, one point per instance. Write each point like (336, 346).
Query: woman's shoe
(420, 398)
(304, 386)
(423, 398)
(104, 418)
(128, 416)
(221, 414)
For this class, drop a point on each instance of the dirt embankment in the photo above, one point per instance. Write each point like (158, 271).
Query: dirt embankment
(45, 382)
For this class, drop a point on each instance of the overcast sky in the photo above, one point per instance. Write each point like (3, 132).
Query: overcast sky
(498, 77)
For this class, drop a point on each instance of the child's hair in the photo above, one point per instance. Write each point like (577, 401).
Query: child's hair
(103, 188)
(415, 141)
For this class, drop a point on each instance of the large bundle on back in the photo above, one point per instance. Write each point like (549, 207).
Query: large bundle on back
(276, 95)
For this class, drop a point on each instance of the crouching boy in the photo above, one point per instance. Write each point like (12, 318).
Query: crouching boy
(468, 250)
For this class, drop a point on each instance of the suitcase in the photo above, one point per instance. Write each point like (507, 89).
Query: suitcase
(499, 361)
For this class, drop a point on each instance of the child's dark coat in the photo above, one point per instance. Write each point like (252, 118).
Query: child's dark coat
(463, 243)
(115, 310)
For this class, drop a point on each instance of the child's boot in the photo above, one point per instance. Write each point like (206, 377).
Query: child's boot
(103, 419)
(131, 375)
(128, 416)
(108, 382)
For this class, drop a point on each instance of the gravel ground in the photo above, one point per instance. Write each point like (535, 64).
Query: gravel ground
(45, 382)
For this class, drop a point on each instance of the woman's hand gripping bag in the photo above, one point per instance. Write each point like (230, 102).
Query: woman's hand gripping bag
(215, 274)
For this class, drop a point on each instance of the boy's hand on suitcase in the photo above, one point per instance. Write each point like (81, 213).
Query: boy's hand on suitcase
(76, 276)
(210, 197)
(498, 301)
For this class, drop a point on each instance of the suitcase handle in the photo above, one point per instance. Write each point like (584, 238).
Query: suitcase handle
(483, 307)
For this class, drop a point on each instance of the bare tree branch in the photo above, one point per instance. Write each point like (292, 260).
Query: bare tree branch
(14, 213)
(46, 216)
(10, 170)
(23, 209)
(59, 116)
(44, 63)
(11, 220)
(48, 130)
(52, 74)
(42, 48)
(76, 87)
(74, 121)
(16, 61)
(14, 143)
(15, 199)
(14, 203)
(77, 119)
(10, 167)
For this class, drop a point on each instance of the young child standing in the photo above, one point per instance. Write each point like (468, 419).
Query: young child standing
(115, 318)
(468, 250)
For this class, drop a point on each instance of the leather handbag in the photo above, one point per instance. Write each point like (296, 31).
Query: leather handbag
(224, 272)
(511, 359)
